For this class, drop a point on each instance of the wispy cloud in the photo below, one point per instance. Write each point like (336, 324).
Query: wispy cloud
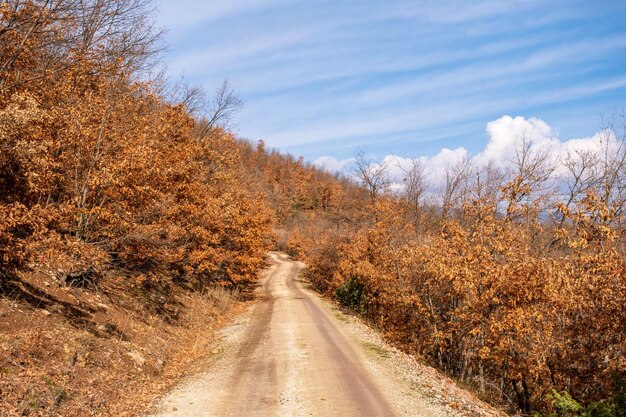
(323, 77)
(187, 14)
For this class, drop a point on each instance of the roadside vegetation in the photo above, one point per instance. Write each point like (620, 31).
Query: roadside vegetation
(512, 280)
(127, 228)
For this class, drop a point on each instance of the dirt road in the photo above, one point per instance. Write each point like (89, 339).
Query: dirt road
(294, 355)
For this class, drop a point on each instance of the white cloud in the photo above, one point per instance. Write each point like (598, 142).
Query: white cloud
(506, 133)
(435, 167)
(331, 164)
(589, 144)
(504, 136)
(397, 166)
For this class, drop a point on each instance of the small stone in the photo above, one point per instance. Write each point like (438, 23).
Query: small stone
(158, 365)
(45, 312)
(137, 357)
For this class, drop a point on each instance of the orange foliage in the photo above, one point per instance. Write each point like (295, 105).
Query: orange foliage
(504, 302)
(99, 173)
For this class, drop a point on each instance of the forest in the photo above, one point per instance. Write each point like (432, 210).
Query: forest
(510, 279)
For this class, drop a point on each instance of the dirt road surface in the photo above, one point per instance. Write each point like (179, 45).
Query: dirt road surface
(293, 354)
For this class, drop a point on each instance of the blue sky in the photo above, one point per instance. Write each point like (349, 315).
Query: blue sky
(321, 78)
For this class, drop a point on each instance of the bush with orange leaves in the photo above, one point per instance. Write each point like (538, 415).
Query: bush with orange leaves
(482, 303)
(98, 172)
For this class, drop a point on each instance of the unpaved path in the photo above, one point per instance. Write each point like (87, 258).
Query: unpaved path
(294, 355)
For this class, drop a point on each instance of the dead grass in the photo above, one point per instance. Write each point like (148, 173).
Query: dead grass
(375, 349)
(78, 352)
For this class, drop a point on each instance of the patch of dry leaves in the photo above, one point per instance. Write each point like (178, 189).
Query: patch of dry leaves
(112, 361)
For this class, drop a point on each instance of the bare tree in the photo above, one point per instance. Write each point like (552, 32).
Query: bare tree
(414, 189)
(218, 110)
(224, 105)
(455, 183)
(611, 173)
(374, 176)
(484, 182)
(532, 168)
(192, 97)
(579, 179)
